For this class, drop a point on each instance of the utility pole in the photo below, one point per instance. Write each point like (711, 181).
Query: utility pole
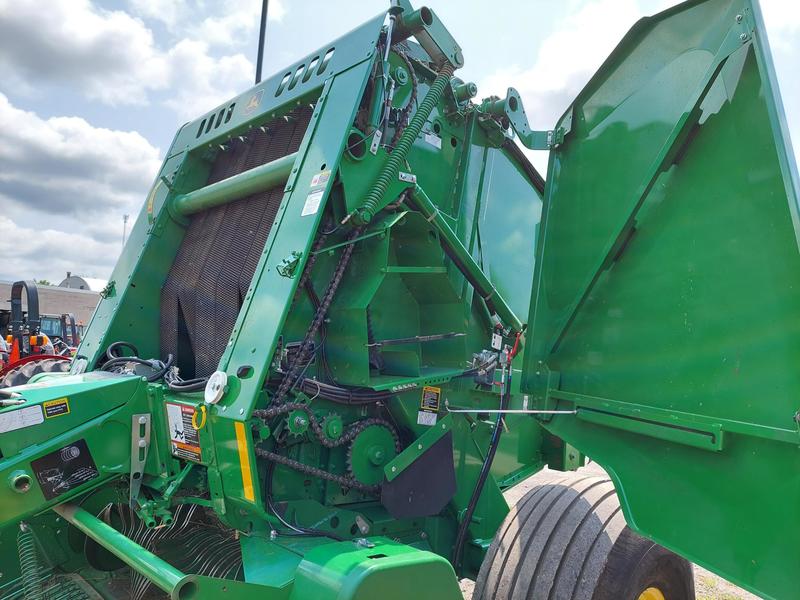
(124, 228)
(261, 36)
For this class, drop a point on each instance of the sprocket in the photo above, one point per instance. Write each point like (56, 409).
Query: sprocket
(297, 422)
(371, 449)
(332, 427)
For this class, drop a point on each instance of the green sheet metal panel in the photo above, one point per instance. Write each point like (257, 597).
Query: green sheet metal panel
(665, 297)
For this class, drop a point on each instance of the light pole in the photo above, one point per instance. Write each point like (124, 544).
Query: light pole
(124, 228)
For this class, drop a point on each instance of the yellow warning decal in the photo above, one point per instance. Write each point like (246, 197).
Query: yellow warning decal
(244, 461)
(56, 408)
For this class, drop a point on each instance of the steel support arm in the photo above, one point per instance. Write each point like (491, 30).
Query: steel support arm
(239, 186)
(464, 261)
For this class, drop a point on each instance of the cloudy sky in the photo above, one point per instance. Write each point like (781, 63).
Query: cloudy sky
(92, 91)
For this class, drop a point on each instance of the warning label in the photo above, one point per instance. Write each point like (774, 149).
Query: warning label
(429, 405)
(64, 469)
(184, 438)
(56, 408)
(320, 179)
(20, 418)
(312, 203)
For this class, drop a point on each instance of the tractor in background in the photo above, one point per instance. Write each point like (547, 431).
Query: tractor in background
(27, 349)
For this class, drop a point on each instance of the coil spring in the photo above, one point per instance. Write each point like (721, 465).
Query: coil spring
(30, 569)
(398, 156)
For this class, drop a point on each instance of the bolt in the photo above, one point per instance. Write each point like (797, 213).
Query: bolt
(394, 469)
(241, 411)
(419, 446)
(738, 18)
(743, 37)
(142, 420)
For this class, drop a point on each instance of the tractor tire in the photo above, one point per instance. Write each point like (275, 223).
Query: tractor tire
(22, 374)
(567, 539)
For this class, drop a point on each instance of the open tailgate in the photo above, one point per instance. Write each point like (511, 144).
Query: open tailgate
(666, 299)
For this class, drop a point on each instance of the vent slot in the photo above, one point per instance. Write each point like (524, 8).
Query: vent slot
(214, 120)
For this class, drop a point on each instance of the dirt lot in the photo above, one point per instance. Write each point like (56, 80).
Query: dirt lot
(707, 585)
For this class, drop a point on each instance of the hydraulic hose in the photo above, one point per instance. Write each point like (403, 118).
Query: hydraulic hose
(463, 528)
(397, 158)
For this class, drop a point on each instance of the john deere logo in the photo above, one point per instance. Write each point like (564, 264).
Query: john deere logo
(254, 102)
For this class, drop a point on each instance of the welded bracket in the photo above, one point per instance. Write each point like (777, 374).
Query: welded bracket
(429, 31)
(510, 109)
(288, 266)
(140, 443)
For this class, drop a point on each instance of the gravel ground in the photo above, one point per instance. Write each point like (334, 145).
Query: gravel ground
(708, 586)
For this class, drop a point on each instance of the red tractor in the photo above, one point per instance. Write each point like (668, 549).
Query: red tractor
(26, 350)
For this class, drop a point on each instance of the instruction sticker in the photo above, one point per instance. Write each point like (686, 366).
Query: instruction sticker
(56, 408)
(320, 179)
(434, 140)
(429, 406)
(65, 469)
(184, 438)
(313, 201)
(21, 418)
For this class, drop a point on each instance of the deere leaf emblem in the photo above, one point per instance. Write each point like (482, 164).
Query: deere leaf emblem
(254, 102)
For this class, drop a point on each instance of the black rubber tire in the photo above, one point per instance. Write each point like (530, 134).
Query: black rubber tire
(22, 374)
(566, 539)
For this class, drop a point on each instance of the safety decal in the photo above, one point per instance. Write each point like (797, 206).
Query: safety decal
(65, 469)
(434, 140)
(184, 438)
(429, 406)
(21, 418)
(56, 408)
(313, 201)
(320, 179)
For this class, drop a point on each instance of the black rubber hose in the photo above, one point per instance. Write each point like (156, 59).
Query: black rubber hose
(111, 355)
(296, 530)
(123, 360)
(463, 528)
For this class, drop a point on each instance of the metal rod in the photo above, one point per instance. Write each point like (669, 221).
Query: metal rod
(464, 261)
(262, 34)
(512, 411)
(239, 186)
(161, 573)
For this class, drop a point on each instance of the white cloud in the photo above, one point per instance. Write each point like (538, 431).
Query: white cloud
(213, 80)
(67, 185)
(169, 12)
(782, 18)
(226, 23)
(110, 56)
(237, 19)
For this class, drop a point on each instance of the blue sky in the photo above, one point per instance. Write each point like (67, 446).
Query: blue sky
(92, 91)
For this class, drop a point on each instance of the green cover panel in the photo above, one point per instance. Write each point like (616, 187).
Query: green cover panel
(665, 303)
